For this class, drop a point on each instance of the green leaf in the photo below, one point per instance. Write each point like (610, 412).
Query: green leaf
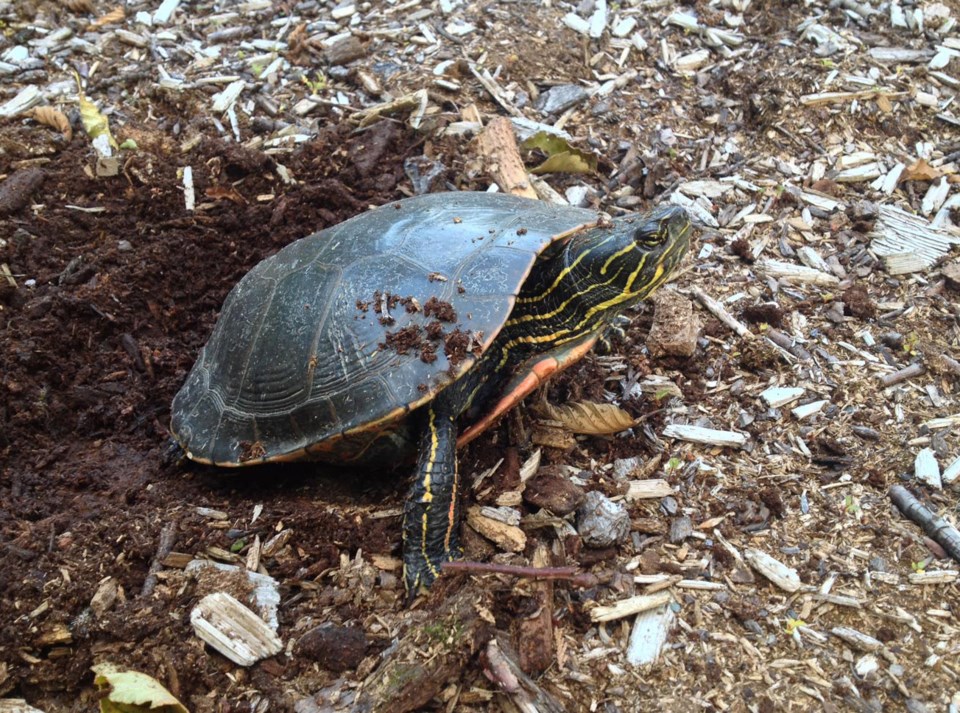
(129, 144)
(133, 692)
(238, 545)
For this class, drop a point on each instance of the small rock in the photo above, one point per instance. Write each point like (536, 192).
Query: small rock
(680, 529)
(336, 648)
(560, 98)
(347, 50)
(669, 505)
(623, 468)
(602, 522)
(579, 196)
(550, 491)
(675, 326)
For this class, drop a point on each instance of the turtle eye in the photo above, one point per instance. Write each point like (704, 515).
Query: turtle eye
(652, 233)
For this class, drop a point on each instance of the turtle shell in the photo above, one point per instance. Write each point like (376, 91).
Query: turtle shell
(344, 332)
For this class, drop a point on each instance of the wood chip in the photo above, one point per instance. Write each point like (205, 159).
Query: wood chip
(784, 577)
(707, 436)
(233, 630)
(630, 606)
(506, 536)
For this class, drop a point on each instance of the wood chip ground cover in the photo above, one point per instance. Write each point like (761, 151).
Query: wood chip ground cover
(803, 137)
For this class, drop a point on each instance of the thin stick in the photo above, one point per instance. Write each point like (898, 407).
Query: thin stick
(907, 372)
(569, 574)
(167, 538)
(937, 529)
(720, 312)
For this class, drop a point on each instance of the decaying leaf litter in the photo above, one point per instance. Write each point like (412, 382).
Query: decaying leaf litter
(763, 566)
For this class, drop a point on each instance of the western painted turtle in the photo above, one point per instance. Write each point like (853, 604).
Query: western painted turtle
(395, 331)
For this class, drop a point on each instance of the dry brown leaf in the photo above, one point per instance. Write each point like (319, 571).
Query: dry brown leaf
(115, 15)
(589, 418)
(228, 192)
(49, 116)
(920, 170)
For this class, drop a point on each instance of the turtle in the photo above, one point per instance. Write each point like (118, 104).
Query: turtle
(406, 331)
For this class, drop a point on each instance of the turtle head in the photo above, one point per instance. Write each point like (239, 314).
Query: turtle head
(617, 265)
(660, 239)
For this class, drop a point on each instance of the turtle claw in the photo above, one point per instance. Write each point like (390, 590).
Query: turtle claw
(419, 573)
(616, 330)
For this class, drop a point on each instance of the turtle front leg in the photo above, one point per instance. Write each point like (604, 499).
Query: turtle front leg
(431, 516)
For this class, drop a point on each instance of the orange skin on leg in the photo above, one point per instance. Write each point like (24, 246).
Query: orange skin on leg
(538, 373)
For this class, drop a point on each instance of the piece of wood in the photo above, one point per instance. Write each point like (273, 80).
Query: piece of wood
(168, 537)
(784, 577)
(648, 635)
(534, 638)
(936, 528)
(630, 606)
(500, 666)
(720, 312)
(648, 489)
(909, 243)
(707, 436)
(908, 372)
(497, 146)
(234, 630)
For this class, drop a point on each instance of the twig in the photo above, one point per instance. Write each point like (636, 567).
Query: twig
(786, 343)
(720, 312)
(167, 537)
(936, 528)
(948, 364)
(902, 375)
(569, 574)
(495, 91)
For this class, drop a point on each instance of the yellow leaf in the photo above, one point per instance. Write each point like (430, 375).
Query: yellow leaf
(566, 162)
(589, 418)
(94, 123)
(133, 692)
(49, 116)
(561, 156)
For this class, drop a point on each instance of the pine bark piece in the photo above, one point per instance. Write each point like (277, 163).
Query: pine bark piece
(234, 630)
(497, 146)
(535, 634)
(784, 577)
(505, 535)
(428, 656)
(936, 528)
